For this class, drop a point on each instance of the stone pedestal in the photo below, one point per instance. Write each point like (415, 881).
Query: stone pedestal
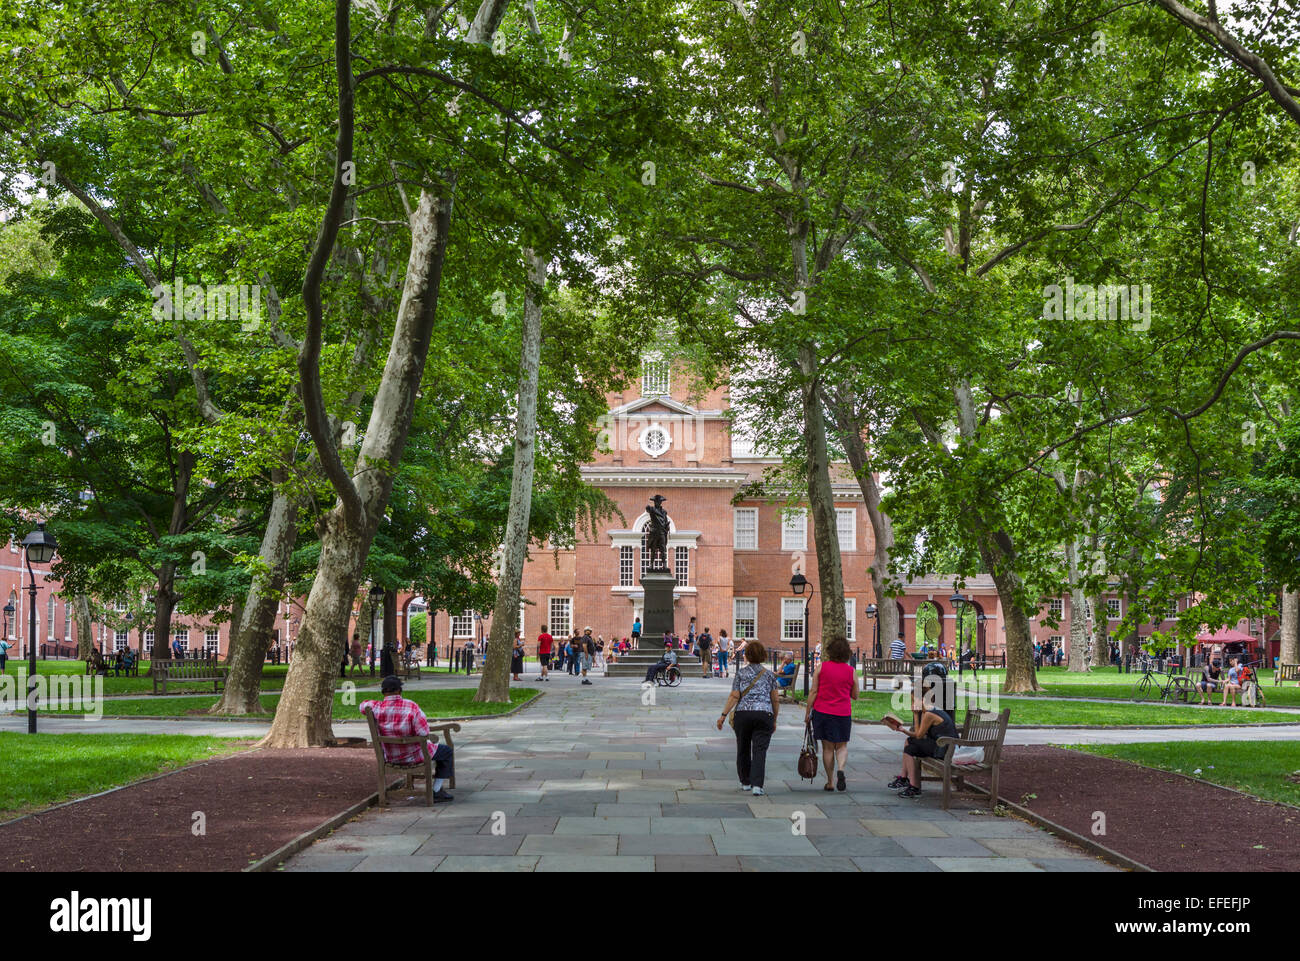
(657, 614)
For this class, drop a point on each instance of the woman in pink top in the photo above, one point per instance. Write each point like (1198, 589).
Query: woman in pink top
(830, 701)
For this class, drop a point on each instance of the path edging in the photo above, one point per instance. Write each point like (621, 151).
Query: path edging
(286, 851)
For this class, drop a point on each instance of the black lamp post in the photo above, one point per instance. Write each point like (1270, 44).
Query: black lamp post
(980, 618)
(872, 613)
(376, 594)
(959, 606)
(40, 546)
(797, 584)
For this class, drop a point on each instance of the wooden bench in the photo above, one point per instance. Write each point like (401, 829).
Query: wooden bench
(983, 729)
(1286, 672)
(877, 667)
(422, 768)
(95, 663)
(202, 671)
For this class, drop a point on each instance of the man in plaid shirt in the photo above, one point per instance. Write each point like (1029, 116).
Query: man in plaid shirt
(398, 717)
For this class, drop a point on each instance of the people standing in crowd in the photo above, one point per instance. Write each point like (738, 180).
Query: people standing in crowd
(355, 651)
(897, 649)
(544, 642)
(724, 652)
(830, 705)
(756, 701)
(517, 658)
(600, 652)
(739, 652)
(691, 635)
(706, 651)
(636, 633)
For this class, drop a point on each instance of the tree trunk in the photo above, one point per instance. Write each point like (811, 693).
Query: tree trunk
(251, 634)
(999, 562)
(850, 435)
(1289, 652)
(304, 715)
(1100, 634)
(1078, 619)
(302, 718)
(494, 685)
(821, 501)
(164, 602)
(85, 635)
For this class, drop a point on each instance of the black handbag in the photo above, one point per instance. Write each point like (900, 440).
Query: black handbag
(808, 754)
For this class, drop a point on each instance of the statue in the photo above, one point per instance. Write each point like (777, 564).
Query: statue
(656, 535)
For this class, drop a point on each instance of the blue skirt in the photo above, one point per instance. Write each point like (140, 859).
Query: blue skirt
(831, 727)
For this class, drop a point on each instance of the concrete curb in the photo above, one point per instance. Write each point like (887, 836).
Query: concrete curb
(1088, 844)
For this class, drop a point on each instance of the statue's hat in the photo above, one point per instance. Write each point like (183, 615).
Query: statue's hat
(658, 499)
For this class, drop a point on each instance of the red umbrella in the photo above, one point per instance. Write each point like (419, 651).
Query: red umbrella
(1224, 637)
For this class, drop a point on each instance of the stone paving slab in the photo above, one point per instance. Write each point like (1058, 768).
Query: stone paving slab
(585, 779)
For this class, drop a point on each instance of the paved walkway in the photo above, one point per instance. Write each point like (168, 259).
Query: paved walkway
(592, 779)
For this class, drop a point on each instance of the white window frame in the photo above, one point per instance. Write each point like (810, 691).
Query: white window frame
(682, 566)
(744, 610)
(1114, 608)
(792, 623)
(656, 376)
(50, 611)
(212, 640)
(794, 529)
(458, 622)
(121, 640)
(13, 621)
(1056, 607)
(148, 638)
(181, 634)
(119, 605)
(850, 619)
(841, 514)
(743, 537)
(626, 566)
(1172, 613)
(1057, 640)
(560, 609)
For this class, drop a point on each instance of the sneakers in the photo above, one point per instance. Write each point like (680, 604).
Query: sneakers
(898, 782)
(910, 792)
(442, 797)
(585, 681)
(539, 678)
(758, 792)
(744, 787)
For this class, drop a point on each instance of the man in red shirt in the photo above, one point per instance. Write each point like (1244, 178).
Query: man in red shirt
(398, 717)
(544, 642)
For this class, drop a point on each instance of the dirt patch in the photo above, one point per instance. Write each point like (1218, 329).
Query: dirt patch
(252, 803)
(1164, 820)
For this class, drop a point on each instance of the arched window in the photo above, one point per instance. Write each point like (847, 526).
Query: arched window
(13, 618)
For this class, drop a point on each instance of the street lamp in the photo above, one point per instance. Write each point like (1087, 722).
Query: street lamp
(40, 546)
(797, 584)
(9, 612)
(376, 594)
(875, 630)
(959, 606)
(980, 618)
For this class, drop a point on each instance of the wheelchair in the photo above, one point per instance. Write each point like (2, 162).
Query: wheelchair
(670, 676)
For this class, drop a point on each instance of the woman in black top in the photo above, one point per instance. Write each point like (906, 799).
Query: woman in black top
(922, 741)
(517, 658)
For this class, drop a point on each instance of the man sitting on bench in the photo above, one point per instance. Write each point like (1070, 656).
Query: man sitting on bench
(786, 672)
(668, 660)
(398, 717)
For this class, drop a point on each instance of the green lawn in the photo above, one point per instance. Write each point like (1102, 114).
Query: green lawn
(1050, 712)
(1261, 768)
(436, 704)
(272, 677)
(44, 769)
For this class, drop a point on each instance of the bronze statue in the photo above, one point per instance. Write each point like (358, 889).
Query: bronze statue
(656, 535)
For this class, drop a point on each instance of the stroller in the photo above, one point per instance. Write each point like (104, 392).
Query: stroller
(1252, 695)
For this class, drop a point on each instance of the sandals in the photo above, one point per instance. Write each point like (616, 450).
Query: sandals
(839, 781)
(828, 787)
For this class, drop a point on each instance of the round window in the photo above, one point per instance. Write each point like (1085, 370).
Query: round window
(655, 440)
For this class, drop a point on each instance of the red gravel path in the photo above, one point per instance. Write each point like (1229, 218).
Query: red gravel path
(1163, 820)
(254, 803)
